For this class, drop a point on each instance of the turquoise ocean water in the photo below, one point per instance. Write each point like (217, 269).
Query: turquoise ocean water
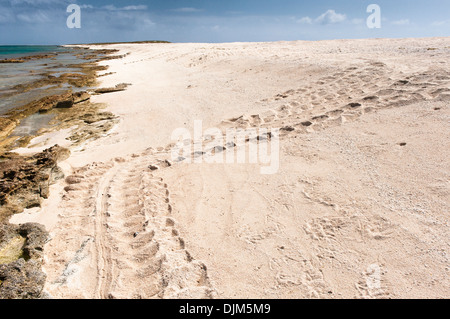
(20, 50)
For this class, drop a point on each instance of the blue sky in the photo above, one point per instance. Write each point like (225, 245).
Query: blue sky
(44, 21)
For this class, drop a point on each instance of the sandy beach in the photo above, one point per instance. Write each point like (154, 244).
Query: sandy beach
(358, 206)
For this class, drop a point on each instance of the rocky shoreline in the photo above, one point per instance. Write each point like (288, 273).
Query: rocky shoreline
(87, 77)
(25, 180)
(28, 58)
(22, 277)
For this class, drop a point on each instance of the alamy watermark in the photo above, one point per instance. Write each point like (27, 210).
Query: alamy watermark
(374, 20)
(253, 146)
(74, 19)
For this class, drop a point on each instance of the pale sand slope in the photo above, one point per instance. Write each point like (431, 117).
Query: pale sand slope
(352, 212)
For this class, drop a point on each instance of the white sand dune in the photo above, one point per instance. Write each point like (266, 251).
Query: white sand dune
(359, 207)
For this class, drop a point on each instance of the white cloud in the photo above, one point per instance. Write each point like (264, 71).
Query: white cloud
(125, 19)
(305, 20)
(138, 7)
(112, 7)
(440, 23)
(331, 17)
(187, 10)
(6, 16)
(38, 2)
(34, 17)
(401, 22)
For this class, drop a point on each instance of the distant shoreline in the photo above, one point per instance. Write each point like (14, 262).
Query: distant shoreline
(108, 43)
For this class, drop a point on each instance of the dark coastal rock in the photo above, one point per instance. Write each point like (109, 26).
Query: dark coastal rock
(45, 104)
(106, 74)
(6, 127)
(12, 61)
(96, 125)
(65, 103)
(21, 277)
(91, 118)
(49, 102)
(25, 180)
(28, 58)
(66, 100)
(117, 88)
(79, 97)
